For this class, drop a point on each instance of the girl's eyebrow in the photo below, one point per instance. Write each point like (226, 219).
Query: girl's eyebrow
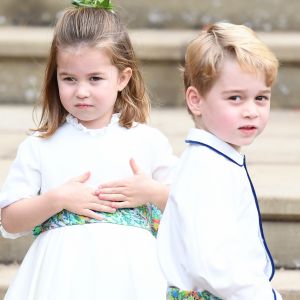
(64, 73)
(95, 73)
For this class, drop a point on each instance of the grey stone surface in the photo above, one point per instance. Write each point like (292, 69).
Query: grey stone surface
(264, 15)
(283, 241)
(23, 52)
(7, 272)
(14, 250)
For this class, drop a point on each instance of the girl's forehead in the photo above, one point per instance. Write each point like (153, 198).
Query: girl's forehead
(84, 52)
(77, 48)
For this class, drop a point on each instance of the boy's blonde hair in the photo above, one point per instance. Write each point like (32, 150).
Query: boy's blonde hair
(93, 27)
(205, 55)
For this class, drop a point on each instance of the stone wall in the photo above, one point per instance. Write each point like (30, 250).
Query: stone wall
(262, 15)
(23, 52)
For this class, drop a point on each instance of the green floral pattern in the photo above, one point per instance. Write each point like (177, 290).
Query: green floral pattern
(176, 294)
(105, 4)
(146, 217)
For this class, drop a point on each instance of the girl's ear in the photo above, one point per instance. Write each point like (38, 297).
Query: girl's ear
(193, 100)
(124, 78)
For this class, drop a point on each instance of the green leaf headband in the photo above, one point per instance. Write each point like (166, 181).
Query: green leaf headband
(105, 4)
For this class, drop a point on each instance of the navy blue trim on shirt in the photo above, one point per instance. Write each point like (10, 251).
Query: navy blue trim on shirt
(260, 223)
(275, 297)
(215, 150)
(255, 198)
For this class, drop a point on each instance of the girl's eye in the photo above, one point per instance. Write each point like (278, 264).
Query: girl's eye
(235, 98)
(95, 78)
(262, 98)
(71, 79)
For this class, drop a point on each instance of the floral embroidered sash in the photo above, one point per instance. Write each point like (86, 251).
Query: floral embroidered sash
(176, 294)
(146, 217)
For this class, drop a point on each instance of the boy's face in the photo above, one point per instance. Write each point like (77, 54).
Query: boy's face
(236, 109)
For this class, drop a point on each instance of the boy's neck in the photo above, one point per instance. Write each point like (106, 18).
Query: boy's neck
(237, 148)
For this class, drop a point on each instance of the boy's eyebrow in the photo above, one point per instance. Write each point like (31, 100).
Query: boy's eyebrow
(266, 91)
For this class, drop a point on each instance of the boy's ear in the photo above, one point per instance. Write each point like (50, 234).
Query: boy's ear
(124, 78)
(193, 100)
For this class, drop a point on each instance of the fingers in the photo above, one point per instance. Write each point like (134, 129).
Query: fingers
(102, 208)
(113, 184)
(134, 167)
(112, 197)
(91, 214)
(94, 208)
(111, 191)
(82, 178)
(122, 204)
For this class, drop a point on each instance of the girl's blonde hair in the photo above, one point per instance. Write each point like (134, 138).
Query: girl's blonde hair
(101, 28)
(205, 55)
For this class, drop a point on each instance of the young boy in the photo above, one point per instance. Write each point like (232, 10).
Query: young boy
(211, 241)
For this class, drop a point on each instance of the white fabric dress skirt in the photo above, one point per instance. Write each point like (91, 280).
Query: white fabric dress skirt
(121, 264)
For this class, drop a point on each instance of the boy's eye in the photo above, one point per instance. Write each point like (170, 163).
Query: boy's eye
(262, 98)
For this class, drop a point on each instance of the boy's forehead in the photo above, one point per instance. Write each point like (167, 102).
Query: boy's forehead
(232, 74)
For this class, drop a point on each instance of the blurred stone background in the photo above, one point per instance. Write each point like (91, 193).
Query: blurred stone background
(160, 31)
(262, 15)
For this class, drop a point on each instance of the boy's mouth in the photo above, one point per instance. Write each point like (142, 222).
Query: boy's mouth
(248, 129)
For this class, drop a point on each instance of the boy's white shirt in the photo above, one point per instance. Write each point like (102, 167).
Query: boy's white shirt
(209, 236)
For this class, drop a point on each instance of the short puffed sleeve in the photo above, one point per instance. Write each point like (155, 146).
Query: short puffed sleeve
(163, 159)
(24, 176)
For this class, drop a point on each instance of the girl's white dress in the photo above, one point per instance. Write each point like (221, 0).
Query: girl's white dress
(89, 261)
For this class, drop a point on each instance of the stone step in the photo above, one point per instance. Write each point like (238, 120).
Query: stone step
(166, 14)
(285, 281)
(23, 52)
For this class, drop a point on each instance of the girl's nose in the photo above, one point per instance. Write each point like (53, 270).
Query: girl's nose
(82, 91)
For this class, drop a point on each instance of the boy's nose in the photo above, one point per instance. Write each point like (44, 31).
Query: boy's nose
(250, 110)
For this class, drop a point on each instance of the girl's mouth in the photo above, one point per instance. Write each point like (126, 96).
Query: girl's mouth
(83, 105)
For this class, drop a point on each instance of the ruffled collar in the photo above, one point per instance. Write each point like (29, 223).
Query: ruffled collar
(74, 122)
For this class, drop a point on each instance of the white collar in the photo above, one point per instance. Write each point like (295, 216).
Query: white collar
(75, 123)
(204, 137)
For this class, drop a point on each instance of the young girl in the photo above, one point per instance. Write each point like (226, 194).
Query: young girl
(211, 242)
(94, 104)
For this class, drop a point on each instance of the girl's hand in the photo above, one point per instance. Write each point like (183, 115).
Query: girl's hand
(78, 198)
(75, 196)
(134, 191)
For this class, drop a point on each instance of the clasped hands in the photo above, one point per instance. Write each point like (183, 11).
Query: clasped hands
(126, 193)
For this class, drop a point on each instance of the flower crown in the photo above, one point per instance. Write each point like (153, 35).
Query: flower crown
(105, 4)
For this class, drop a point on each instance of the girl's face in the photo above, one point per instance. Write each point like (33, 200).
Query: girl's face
(89, 84)
(236, 109)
